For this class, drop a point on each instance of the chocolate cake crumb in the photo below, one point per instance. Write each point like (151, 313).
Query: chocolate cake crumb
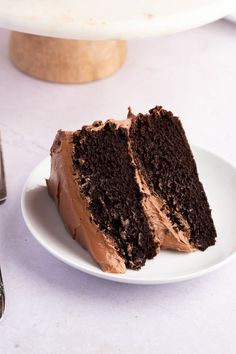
(107, 179)
(165, 159)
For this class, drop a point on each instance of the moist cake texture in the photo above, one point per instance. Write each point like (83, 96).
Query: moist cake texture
(126, 189)
(107, 180)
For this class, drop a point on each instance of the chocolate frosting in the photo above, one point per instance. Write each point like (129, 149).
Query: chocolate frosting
(73, 208)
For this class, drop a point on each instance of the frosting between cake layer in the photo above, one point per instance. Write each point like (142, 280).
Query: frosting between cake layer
(164, 232)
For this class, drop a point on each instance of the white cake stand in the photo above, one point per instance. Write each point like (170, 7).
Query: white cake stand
(79, 41)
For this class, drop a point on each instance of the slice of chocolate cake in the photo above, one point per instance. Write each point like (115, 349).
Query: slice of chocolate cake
(126, 189)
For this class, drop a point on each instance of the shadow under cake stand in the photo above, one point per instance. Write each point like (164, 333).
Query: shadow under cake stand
(79, 41)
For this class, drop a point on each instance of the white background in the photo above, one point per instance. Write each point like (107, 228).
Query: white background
(52, 308)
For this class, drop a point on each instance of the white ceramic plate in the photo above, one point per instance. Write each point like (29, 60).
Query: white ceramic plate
(219, 179)
(106, 19)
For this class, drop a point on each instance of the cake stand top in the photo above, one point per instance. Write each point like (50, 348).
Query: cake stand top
(109, 19)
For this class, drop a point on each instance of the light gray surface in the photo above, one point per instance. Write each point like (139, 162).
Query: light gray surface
(52, 308)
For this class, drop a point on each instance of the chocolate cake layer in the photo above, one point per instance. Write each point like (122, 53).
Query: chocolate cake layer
(164, 157)
(107, 179)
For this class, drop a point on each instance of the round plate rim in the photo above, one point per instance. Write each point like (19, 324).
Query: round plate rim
(119, 277)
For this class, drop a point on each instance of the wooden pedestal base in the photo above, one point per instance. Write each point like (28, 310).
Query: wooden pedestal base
(65, 60)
